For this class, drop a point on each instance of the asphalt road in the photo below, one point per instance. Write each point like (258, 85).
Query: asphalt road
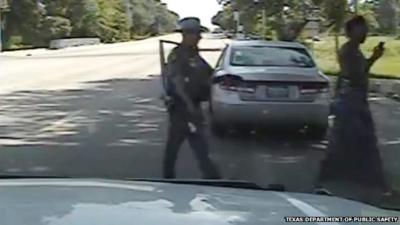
(95, 112)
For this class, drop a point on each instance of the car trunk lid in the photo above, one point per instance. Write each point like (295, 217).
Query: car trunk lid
(279, 84)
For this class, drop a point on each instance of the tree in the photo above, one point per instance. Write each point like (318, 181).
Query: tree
(57, 8)
(335, 12)
(93, 18)
(388, 16)
(25, 18)
(368, 10)
(38, 21)
(54, 27)
(149, 17)
(165, 21)
(113, 21)
(84, 16)
(224, 19)
(287, 18)
(143, 16)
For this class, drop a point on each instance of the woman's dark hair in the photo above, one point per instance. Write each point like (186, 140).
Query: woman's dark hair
(354, 22)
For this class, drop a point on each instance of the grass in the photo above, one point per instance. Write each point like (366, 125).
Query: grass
(387, 67)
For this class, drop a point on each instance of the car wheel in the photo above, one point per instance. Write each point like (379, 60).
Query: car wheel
(317, 131)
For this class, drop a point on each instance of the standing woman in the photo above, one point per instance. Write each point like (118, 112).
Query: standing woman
(353, 152)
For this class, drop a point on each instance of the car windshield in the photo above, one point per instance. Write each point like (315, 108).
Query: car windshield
(300, 96)
(271, 56)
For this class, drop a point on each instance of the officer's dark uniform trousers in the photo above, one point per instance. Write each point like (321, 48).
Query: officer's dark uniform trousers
(178, 132)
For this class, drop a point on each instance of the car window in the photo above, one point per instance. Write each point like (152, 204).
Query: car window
(271, 56)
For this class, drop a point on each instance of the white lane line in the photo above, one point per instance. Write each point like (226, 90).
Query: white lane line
(39, 169)
(13, 170)
(394, 142)
(376, 98)
(59, 123)
(307, 209)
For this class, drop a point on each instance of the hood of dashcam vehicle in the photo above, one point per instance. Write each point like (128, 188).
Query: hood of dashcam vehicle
(105, 202)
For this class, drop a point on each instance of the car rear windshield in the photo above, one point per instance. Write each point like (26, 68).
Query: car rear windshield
(271, 56)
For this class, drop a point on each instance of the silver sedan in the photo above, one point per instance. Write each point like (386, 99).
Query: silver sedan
(269, 83)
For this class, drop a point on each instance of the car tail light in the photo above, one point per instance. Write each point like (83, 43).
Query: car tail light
(314, 88)
(229, 83)
(234, 83)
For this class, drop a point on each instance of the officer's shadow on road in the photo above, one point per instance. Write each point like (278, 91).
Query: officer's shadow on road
(120, 115)
(274, 156)
(274, 139)
(101, 112)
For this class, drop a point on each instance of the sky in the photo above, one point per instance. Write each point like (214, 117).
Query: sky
(204, 9)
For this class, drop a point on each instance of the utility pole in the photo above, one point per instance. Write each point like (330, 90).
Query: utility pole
(258, 4)
(236, 17)
(264, 23)
(3, 8)
(1, 30)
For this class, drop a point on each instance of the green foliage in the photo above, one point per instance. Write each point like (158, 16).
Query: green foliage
(368, 11)
(142, 15)
(387, 66)
(335, 12)
(25, 18)
(14, 42)
(287, 24)
(387, 14)
(388, 17)
(224, 19)
(57, 7)
(166, 20)
(147, 18)
(84, 15)
(39, 21)
(113, 21)
(54, 27)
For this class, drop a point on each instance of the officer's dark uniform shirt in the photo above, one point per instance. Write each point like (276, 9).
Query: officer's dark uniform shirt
(196, 72)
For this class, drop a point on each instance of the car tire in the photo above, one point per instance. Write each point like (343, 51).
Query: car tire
(317, 131)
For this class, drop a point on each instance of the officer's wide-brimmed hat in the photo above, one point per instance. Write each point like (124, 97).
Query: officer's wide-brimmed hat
(191, 25)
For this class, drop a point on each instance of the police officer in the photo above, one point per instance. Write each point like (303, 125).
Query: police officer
(189, 82)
